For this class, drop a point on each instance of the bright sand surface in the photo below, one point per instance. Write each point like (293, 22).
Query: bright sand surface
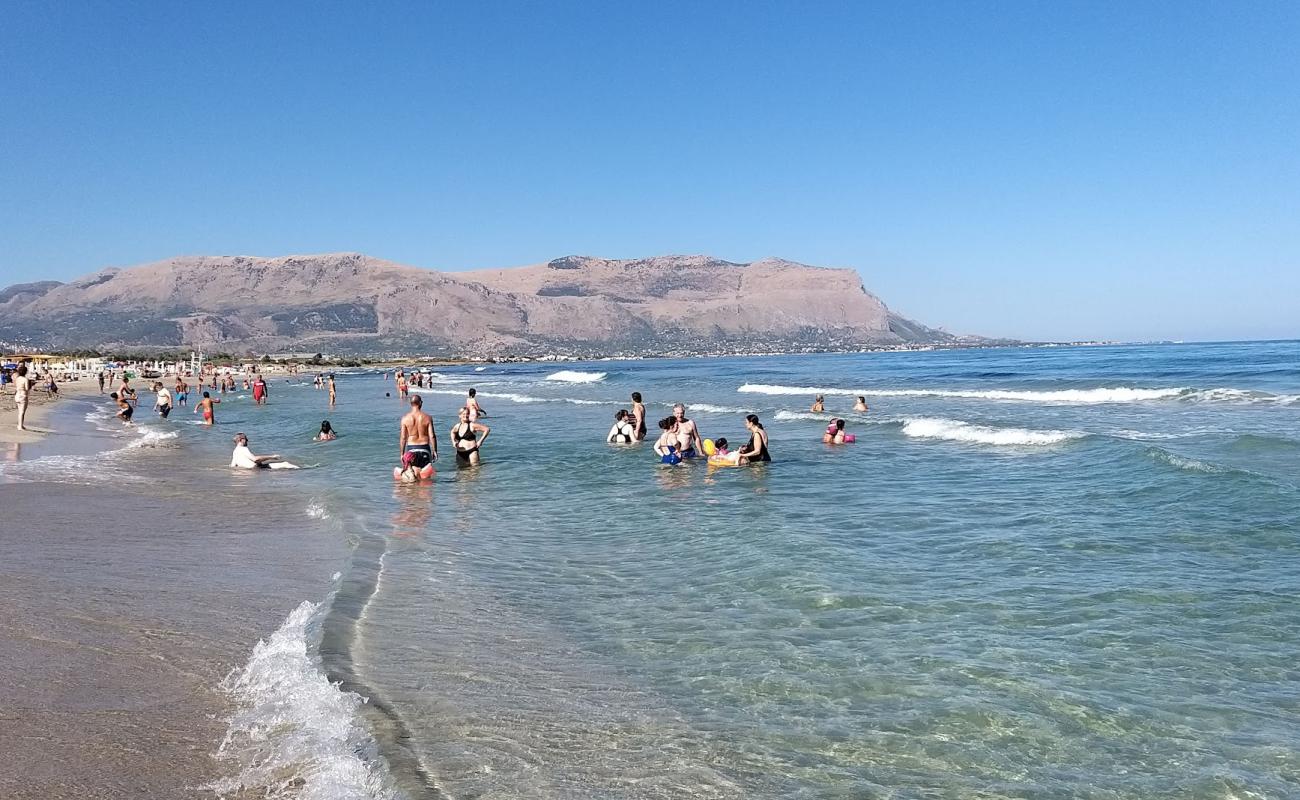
(112, 648)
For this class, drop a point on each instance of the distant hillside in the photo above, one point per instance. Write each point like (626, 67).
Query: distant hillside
(351, 303)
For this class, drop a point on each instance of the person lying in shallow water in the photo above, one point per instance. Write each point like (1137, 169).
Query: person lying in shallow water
(244, 458)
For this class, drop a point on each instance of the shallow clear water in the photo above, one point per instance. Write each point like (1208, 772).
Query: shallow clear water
(1038, 573)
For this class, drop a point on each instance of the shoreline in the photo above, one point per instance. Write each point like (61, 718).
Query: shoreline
(38, 413)
(124, 613)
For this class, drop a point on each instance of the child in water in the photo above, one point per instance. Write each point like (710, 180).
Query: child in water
(666, 444)
(721, 455)
(327, 433)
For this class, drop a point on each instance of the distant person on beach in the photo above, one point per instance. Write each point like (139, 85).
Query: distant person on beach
(327, 433)
(861, 405)
(467, 437)
(182, 390)
(756, 448)
(205, 405)
(101, 381)
(819, 404)
(475, 410)
(244, 458)
(333, 396)
(417, 437)
(689, 443)
(259, 389)
(22, 392)
(622, 432)
(163, 405)
(666, 444)
(124, 409)
(638, 416)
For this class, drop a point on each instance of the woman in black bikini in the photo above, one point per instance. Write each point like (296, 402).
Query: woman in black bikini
(465, 439)
(756, 449)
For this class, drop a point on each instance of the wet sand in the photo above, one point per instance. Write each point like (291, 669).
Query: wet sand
(124, 609)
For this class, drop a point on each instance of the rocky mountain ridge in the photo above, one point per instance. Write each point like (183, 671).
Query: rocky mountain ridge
(352, 303)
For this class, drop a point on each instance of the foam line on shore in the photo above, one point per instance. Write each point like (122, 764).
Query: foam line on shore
(296, 734)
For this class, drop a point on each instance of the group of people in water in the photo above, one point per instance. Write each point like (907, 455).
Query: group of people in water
(679, 440)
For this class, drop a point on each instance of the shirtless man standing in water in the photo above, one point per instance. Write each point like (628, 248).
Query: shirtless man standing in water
(689, 443)
(417, 436)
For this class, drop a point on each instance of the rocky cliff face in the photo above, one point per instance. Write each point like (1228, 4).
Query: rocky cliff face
(352, 303)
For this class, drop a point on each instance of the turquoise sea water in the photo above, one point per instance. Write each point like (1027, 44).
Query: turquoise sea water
(1039, 573)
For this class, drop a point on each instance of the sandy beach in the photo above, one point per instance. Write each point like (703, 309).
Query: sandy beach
(123, 614)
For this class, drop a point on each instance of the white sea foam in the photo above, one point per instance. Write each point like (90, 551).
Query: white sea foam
(791, 415)
(517, 398)
(317, 510)
(575, 376)
(958, 431)
(706, 408)
(479, 369)
(151, 437)
(1184, 462)
(1119, 394)
(295, 734)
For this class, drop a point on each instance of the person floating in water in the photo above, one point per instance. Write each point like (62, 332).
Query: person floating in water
(467, 438)
(418, 438)
(327, 433)
(666, 444)
(244, 458)
(689, 442)
(819, 404)
(755, 449)
(206, 406)
(622, 432)
(861, 405)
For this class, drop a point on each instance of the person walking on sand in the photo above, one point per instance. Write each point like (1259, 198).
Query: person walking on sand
(638, 416)
(22, 390)
(475, 410)
(101, 381)
(205, 405)
(417, 436)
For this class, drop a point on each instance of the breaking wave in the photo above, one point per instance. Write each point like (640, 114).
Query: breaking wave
(1114, 394)
(295, 734)
(706, 408)
(958, 431)
(574, 376)
(516, 398)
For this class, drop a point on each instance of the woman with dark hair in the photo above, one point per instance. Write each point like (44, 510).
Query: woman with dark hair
(666, 446)
(327, 433)
(622, 432)
(835, 432)
(756, 448)
(475, 410)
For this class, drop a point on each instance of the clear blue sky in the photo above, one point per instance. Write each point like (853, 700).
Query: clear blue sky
(1034, 169)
